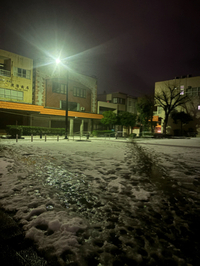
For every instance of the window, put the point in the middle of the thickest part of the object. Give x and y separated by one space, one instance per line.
72 106
11 94
119 100
193 91
59 88
159 109
114 100
79 92
182 90
122 101
23 73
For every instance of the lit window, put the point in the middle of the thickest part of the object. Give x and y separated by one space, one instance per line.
11 94
59 88
114 100
20 72
79 92
199 107
159 109
182 90
193 91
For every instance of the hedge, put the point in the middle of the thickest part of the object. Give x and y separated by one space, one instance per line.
102 132
28 130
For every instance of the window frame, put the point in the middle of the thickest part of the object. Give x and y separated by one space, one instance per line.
12 94
22 73
79 92
57 88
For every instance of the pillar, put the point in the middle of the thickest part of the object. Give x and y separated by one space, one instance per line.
71 127
90 125
82 127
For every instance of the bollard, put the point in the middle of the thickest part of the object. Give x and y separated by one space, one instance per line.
16 137
40 135
45 137
58 138
31 137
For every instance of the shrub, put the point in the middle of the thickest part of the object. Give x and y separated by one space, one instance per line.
98 133
132 135
14 130
28 130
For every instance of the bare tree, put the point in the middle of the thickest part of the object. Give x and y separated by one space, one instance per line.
168 99
191 108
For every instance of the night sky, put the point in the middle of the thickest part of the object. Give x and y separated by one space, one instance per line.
127 45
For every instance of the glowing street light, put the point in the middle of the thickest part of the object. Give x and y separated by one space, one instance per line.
57 60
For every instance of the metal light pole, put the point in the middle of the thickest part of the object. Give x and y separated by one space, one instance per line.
66 115
58 61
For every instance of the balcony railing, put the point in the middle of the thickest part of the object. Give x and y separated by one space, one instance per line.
4 73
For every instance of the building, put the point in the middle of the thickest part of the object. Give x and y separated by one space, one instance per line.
118 102
16 74
185 85
38 97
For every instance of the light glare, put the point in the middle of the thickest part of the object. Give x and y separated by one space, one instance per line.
57 61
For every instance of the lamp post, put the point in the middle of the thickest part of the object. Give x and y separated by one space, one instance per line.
66 114
58 61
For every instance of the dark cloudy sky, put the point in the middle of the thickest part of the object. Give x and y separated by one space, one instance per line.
128 45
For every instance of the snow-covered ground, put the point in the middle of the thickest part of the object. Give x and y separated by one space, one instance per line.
105 202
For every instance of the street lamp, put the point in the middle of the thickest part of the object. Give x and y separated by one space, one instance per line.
66 114
57 60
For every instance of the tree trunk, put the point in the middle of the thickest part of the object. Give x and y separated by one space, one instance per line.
165 123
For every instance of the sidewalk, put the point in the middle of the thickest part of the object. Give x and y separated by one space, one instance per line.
61 138
14 250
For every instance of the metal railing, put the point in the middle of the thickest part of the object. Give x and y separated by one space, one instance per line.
5 73
81 134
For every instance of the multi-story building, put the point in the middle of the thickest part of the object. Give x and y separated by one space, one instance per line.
38 97
118 102
15 77
185 85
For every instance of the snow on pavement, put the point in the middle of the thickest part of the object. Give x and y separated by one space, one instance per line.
105 202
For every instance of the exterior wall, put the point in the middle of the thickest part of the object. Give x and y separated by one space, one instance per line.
53 99
131 105
110 106
106 105
191 106
39 80
43 77
10 63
